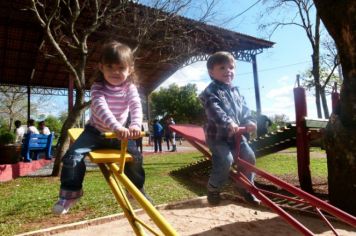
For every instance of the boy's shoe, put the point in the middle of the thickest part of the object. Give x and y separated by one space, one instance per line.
142 190
213 195
63 205
249 197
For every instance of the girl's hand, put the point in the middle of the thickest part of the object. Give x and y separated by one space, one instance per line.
135 132
122 133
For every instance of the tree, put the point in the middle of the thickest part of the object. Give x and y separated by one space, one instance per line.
328 75
339 18
180 102
303 17
68 25
54 124
13 105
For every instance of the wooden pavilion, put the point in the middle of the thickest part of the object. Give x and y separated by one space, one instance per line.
26 61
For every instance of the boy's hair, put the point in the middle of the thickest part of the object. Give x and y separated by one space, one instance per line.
31 122
114 52
219 58
17 123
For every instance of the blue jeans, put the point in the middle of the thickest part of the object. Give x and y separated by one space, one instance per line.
222 159
73 169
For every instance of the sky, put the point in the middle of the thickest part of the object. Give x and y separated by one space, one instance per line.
277 66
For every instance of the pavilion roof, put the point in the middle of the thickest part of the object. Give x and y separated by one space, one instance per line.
22 61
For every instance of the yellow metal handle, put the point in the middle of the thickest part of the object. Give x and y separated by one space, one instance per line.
113 135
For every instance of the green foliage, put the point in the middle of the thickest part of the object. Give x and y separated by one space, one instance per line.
54 124
7 137
277 122
326 79
180 102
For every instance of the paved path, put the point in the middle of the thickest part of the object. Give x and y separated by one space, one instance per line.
147 151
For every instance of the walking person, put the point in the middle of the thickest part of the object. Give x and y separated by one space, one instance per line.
157 135
172 134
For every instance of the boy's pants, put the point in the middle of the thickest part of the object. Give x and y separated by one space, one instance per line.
222 159
73 169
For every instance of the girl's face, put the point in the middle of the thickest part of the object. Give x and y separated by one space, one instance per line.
223 72
115 74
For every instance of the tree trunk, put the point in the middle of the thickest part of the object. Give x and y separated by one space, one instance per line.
339 17
324 103
63 141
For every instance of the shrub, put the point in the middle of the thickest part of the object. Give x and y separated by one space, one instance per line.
7 137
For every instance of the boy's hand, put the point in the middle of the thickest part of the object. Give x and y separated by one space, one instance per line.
135 132
233 129
122 133
250 127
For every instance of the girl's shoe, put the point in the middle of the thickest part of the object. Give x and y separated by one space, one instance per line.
63 205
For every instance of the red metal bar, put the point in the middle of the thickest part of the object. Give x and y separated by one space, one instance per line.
199 147
326 220
312 200
265 200
282 196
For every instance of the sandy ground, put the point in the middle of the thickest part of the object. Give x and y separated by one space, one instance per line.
197 217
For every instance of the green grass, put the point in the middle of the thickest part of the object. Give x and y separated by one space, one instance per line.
282 164
25 203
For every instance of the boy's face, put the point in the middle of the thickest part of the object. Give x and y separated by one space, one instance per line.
223 72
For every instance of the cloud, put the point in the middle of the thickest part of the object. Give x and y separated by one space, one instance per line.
195 73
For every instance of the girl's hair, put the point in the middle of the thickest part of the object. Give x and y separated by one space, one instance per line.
114 52
219 58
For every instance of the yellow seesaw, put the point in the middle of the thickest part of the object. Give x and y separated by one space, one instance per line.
112 164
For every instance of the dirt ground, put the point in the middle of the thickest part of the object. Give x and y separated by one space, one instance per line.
197 217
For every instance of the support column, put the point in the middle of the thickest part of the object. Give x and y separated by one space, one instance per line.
257 88
28 102
70 93
303 156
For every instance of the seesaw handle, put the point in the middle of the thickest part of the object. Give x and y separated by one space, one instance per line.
113 135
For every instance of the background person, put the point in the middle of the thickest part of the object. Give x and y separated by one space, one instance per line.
172 134
263 122
157 135
31 128
43 129
19 131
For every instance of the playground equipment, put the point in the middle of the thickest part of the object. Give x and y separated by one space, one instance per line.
300 135
112 164
195 136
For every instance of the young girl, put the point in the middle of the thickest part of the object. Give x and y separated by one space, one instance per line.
113 97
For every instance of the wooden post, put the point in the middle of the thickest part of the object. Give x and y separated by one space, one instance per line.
257 88
303 157
335 98
70 93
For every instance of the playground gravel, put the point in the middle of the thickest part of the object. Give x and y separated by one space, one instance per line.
197 217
